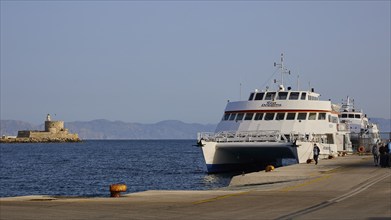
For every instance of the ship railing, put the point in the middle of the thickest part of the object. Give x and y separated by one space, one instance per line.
243 136
311 137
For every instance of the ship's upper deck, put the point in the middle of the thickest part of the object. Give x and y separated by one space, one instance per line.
348 111
283 95
280 101
283 109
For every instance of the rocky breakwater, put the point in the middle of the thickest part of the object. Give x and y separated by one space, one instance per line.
40 140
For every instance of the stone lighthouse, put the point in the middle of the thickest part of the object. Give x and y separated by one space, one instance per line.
53 126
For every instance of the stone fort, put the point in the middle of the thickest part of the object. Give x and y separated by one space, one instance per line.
54 130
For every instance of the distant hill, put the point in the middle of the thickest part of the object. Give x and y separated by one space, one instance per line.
104 129
11 127
383 124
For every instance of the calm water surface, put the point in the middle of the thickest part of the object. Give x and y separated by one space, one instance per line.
88 168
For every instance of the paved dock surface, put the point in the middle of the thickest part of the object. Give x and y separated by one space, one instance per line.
342 188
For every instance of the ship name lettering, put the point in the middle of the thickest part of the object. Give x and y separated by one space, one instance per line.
271 104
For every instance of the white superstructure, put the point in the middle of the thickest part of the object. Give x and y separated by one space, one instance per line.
362 132
276 127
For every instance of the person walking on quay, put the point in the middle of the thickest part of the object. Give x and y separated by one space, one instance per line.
383 156
375 152
316 153
388 152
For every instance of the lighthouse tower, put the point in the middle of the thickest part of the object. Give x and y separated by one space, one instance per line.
53 126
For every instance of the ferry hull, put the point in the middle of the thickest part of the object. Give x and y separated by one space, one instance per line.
223 157
243 156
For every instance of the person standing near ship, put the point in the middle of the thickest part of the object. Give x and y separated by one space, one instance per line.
388 153
375 152
316 153
383 155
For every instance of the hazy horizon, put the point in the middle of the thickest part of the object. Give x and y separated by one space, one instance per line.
97 119
150 61
164 120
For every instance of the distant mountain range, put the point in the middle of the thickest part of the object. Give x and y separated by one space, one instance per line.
384 124
104 129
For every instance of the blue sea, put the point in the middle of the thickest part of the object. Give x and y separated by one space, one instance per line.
88 168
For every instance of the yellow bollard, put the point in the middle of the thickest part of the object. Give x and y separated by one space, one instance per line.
269 168
116 189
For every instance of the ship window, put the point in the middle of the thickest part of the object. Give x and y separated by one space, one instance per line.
239 117
303 95
310 97
232 117
282 95
357 116
259 96
334 119
270 95
280 116
294 96
322 116
302 116
312 116
258 116
351 115
269 116
290 116
249 116
251 97
344 115
226 116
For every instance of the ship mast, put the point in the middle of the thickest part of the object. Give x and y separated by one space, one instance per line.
348 105
283 70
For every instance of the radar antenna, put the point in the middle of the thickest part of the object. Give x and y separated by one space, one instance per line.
282 68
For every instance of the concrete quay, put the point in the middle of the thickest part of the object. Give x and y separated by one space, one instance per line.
348 187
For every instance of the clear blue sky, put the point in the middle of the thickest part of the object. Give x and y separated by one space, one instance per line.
149 61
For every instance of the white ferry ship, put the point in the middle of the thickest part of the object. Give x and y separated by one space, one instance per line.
363 133
274 127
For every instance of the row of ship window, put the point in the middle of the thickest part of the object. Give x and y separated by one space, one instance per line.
350 115
280 96
274 116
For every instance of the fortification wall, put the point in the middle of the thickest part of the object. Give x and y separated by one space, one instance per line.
44 136
60 135
24 134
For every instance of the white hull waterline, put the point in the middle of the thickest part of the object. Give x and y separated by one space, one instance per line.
228 151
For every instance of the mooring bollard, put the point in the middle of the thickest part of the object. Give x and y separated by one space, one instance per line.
116 189
269 168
